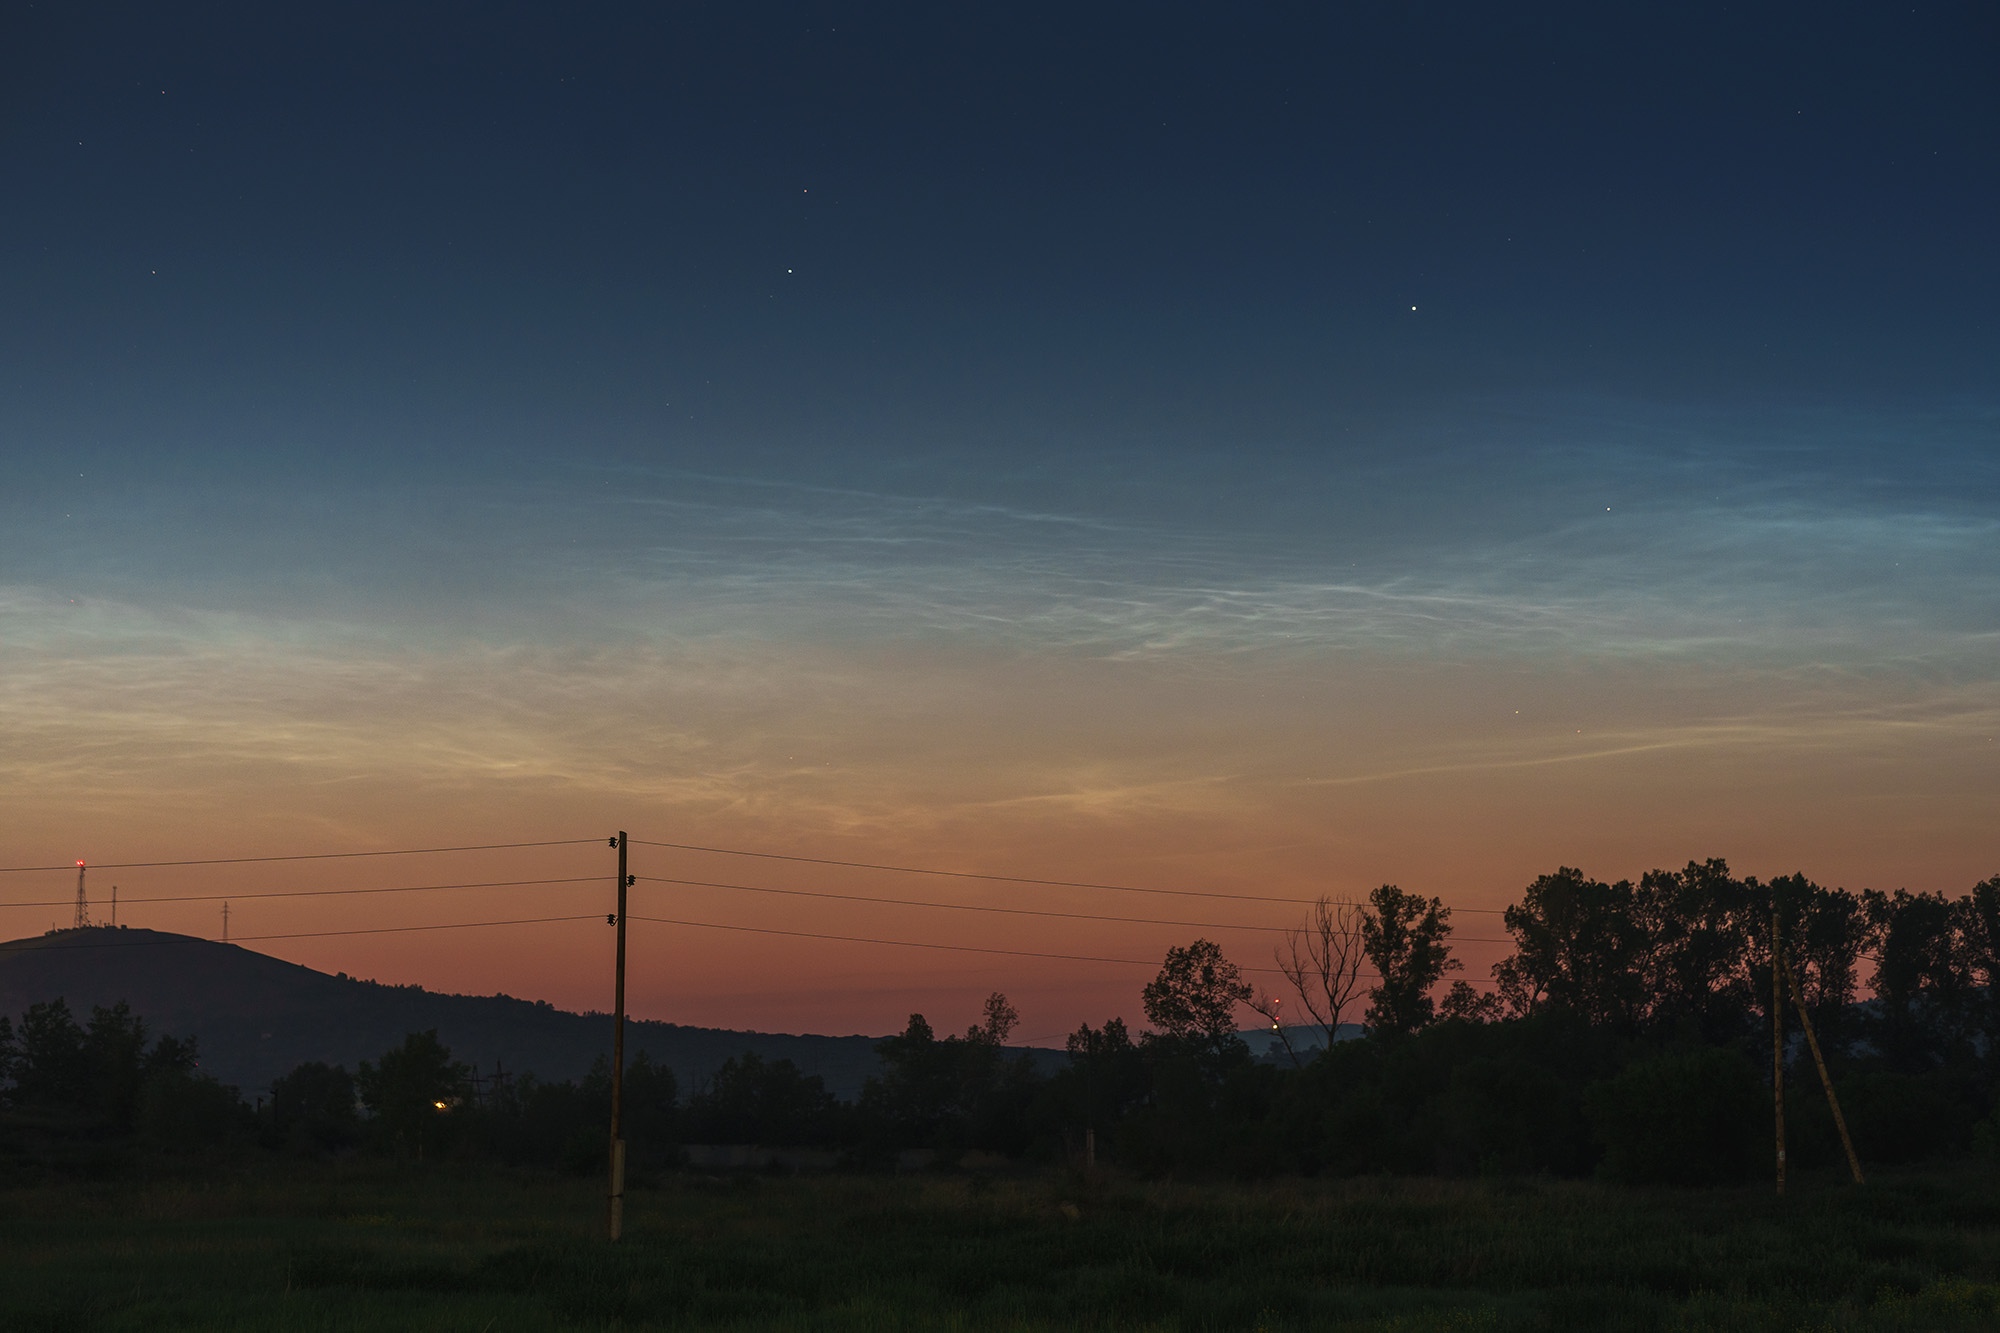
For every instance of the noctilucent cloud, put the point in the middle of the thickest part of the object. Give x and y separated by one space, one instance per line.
1267 452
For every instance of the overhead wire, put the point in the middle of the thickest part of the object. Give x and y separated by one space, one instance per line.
445 925
304 856
981 907
950 948
120 940
1009 879
746 888
319 893
904 944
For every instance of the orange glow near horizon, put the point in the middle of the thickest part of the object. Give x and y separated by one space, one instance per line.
1275 779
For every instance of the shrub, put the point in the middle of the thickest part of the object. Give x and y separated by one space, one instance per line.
312 1108
1904 1117
184 1111
1690 1117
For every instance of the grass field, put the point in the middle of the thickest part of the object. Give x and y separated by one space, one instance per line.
371 1245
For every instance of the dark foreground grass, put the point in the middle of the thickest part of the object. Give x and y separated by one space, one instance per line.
376 1246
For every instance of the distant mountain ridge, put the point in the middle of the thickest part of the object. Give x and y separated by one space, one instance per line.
255 1016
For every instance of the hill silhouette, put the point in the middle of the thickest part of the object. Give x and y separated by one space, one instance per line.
257 1017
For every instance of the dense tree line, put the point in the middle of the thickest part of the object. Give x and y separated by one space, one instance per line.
1627 1034
108 1079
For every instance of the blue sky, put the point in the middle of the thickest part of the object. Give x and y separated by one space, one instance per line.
1302 447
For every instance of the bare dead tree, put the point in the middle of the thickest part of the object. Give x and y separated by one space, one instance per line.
1322 959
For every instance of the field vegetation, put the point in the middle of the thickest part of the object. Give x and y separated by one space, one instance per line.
369 1244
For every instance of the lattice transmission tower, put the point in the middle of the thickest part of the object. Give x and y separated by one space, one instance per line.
82 901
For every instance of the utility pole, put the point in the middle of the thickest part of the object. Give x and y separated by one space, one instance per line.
616 1219
82 902
225 923
114 906
1778 1040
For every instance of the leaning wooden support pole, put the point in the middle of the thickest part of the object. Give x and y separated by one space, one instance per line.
1778 1044
1825 1079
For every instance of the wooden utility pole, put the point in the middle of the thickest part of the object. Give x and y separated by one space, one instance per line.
616 1220
1825 1079
1778 1040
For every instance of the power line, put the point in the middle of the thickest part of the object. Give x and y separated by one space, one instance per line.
447 925
951 948
905 944
1015 879
307 856
955 907
331 893
25 946
1037 1042
1007 911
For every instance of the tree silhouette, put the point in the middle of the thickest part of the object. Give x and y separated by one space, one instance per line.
1924 977
1826 931
411 1090
52 1071
751 1100
107 1078
1194 998
115 1052
313 1107
1106 1075
913 1095
1981 925
1322 961
1001 1018
1467 1005
10 1054
1577 946
1405 934
1701 929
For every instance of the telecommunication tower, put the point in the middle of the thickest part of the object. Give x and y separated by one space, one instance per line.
82 902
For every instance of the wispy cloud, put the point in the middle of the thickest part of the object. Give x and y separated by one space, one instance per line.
1764 580
682 638
1953 716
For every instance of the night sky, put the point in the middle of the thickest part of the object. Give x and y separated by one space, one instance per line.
1265 449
